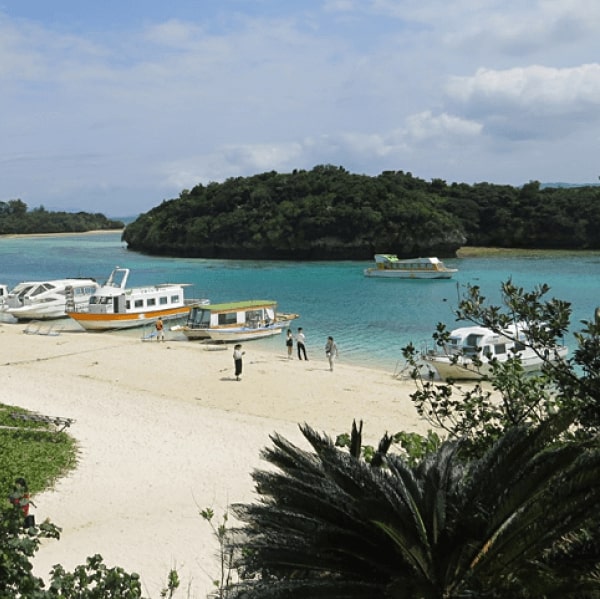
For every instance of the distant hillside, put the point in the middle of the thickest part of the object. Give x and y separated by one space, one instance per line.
16 218
568 185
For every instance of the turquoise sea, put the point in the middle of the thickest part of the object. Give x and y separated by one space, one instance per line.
370 319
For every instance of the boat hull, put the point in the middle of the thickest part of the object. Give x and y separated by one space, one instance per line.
106 322
38 312
48 300
397 274
231 335
465 370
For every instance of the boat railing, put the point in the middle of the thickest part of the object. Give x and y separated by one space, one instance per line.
196 301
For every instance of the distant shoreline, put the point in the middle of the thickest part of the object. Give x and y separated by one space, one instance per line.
463 252
478 252
69 234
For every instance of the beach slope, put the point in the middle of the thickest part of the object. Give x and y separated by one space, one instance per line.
164 430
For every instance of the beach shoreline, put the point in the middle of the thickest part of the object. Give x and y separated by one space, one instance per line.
164 430
64 234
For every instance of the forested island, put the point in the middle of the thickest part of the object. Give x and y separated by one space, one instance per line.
16 218
328 213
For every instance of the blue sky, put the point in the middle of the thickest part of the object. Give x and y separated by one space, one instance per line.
115 106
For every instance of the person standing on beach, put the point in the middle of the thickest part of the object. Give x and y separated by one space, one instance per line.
300 344
289 342
237 360
20 496
160 330
331 351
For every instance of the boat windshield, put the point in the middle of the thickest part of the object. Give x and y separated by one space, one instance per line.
100 299
21 291
42 288
471 346
198 318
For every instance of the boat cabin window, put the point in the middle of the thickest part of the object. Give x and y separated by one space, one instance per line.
174 299
473 340
253 317
228 318
151 301
500 348
203 317
100 300
163 300
471 345
139 303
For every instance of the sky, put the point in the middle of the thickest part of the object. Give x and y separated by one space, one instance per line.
116 105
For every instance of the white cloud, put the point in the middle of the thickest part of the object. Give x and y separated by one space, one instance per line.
162 104
425 126
530 102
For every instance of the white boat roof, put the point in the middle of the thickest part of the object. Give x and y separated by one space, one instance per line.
394 258
511 332
56 282
238 306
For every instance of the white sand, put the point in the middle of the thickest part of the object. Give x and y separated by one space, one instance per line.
164 431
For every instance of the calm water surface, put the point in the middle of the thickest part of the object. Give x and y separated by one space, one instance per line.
370 319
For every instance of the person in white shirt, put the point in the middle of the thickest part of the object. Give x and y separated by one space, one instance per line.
237 360
300 344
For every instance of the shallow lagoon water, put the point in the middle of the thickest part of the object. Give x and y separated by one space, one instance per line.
370 319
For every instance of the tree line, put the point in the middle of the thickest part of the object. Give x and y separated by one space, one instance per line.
329 213
16 218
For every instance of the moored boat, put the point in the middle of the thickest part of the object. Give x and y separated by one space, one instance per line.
115 306
235 321
459 358
390 266
45 300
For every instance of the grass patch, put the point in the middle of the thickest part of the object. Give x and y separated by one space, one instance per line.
34 451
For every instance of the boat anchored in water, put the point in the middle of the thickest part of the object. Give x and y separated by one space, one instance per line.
115 306
235 321
467 346
390 266
44 300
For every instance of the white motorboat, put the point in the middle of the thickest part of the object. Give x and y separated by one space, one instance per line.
115 306
455 360
390 266
235 321
43 300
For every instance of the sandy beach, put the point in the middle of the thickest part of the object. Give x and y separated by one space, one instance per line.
164 430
